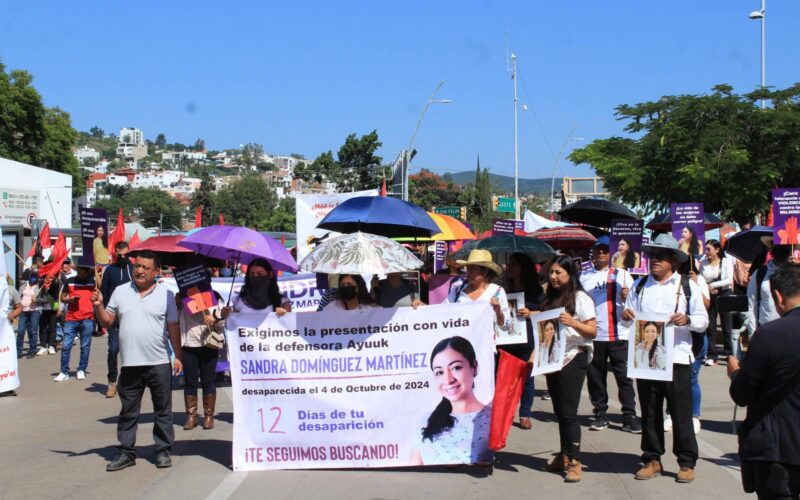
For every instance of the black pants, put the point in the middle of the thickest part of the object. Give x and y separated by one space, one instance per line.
565 389
678 394
775 480
711 331
613 354
47 329
199 365
130 387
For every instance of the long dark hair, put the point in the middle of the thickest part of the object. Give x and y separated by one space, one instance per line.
630 256
363 295
555 335
720 250
694 243
563 297
441 419
273 293
530 278
652 353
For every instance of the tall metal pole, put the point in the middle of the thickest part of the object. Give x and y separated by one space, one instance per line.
763 49
516 138
555 167
407 156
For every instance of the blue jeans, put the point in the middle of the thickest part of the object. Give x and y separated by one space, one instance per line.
84 328
28 322
113 351
60 330
697 394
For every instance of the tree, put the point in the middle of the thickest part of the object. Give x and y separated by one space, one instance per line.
32 133
126 138
537 203
427 190
97 132
283 217
116 190
323 167
161 141
205 197
358 163
249 202
480 201
719 148
153 207
199 145
252 154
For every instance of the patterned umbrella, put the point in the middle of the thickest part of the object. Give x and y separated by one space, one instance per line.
360 253
562 238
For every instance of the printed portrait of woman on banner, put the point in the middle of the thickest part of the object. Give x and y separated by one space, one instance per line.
457 430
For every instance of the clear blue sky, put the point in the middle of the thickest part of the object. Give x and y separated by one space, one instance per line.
300 76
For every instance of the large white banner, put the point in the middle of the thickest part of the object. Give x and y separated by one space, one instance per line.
310 209
9 375
369 388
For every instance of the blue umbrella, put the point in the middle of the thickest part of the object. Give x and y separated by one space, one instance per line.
381 215
747 245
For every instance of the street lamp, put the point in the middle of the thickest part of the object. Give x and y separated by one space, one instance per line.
555 167
762 15
409 153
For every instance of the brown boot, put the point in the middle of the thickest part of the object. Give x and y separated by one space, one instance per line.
650 470
560 463
574 471
191 412
685 475
209 401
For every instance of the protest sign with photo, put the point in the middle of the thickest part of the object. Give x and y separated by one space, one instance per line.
650 348
688 227
785 213
440 286
517 332
94 237
358 388
9 375
550 342
626 245
194 285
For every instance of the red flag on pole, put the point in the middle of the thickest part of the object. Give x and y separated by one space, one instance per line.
44 236
59 253
221 220
117 235
198 216
383 187
134 239
511 375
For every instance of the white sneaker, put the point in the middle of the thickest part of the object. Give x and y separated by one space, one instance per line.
51 350
696 422
61 377
41 350
81 375
668 424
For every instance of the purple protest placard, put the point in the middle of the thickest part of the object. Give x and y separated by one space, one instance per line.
688 227
626 245
439 254
194 285
94 237
785 213
507 226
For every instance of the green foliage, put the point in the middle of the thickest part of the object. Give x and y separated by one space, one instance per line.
97 132
205 197
719 148
355 168
199 145
283 217
427 190
148 205
249 201
30 132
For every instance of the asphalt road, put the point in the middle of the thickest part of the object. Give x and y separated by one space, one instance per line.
57 437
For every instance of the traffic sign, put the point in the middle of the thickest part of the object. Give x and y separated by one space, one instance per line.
457 212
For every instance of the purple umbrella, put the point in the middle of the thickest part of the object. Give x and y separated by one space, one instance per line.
239 244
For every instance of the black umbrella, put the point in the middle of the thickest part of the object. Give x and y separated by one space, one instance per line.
663 222
538 250
747 245
596 212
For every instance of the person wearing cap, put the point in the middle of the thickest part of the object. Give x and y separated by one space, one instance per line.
579 328
480 287
761 306
609 287
76 295
664 291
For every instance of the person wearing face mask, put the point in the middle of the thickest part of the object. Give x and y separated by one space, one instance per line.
115 275
260 292
352 294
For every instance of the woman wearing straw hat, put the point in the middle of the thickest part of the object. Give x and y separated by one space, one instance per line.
481 275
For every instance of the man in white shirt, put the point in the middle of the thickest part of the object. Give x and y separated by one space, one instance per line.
664 291
609 288
761 307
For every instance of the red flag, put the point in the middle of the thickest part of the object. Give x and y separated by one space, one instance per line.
198 216
221 220
33 251
283 239
383 187
117 235
44 236
511 375
134 240
59 253
769 217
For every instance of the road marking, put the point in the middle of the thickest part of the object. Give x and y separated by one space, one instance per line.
233 480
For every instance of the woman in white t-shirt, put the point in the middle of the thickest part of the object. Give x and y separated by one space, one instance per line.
480 287
579 328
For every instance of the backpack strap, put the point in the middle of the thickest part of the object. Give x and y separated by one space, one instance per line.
761 273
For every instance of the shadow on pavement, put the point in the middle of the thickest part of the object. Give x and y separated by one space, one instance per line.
720 426
514 462
728 460
216 450
99 388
